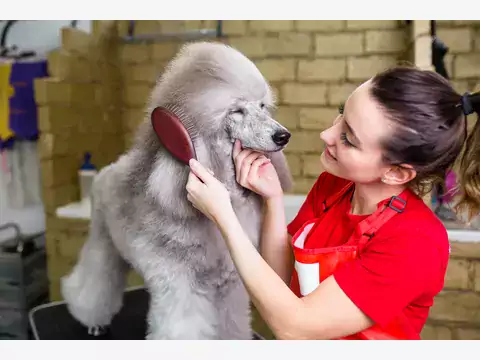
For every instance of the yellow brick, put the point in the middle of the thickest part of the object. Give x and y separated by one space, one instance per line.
461 86
134 53
287 116
430 332
304 142
107 96
82 94
461 306
276 69
420 28
423 52
172 26
304 94
372 24
339 93
295 164
76 41
146 27
51 91
468 334
457 40
122 27
136 95
339 44
477 40
317 118
165 51
191 25
476 279
59 196
467 66
62 65
312 166
458 273
252 47
61 119
302 185
320 25
288 44
58 171
385 41
134 279
132 118
104 28
141 72
466 22
363 68
322 69
271 25
111 122
50 145
234 27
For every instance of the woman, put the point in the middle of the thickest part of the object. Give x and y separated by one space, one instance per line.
369 255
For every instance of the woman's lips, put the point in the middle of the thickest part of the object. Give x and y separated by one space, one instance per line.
329 154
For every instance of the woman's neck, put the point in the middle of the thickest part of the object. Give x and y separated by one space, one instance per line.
367 196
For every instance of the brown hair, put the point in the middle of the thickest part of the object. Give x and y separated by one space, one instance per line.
431 129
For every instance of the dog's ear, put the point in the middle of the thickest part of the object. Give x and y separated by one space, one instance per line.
279 161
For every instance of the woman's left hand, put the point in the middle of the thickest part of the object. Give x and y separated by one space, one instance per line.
206 193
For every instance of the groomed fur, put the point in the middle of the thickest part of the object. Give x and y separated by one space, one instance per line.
141 216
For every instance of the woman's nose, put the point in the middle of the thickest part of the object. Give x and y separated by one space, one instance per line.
328 135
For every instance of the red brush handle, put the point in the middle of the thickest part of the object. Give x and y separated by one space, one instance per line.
172 134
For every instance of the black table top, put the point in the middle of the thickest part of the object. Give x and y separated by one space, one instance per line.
54 322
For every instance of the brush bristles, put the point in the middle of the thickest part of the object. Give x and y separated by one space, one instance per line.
187 122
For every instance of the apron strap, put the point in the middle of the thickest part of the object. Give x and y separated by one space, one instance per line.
332 200
366 229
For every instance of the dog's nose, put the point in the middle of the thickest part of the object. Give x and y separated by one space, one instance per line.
281 137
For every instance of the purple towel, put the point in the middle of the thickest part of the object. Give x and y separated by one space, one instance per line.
23 109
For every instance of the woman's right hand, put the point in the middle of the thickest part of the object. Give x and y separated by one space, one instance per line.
255 172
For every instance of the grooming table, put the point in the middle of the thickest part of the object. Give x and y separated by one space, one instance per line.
53 321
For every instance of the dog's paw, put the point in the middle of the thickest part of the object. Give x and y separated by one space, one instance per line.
97 330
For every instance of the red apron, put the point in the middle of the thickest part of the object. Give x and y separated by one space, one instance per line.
312 266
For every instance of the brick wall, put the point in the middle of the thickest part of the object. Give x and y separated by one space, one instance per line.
78 112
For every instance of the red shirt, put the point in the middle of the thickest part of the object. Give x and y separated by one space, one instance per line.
401 268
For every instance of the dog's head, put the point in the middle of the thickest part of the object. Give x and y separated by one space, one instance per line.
224 93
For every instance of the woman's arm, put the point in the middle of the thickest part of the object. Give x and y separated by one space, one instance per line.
326 313
275 240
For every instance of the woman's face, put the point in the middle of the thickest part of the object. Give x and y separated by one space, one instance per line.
353 143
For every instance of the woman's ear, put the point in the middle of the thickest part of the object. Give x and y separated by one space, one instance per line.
399 175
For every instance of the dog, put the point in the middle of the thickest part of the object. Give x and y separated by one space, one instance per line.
142 220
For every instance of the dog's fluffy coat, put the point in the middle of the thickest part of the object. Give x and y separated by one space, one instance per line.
141 217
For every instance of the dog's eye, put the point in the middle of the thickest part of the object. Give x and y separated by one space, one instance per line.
262 105
238 111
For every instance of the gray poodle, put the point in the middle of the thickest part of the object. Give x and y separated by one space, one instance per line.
141 217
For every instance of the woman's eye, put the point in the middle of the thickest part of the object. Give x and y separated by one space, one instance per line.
346 142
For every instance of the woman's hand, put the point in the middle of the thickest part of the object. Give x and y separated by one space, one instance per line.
255 172
206 193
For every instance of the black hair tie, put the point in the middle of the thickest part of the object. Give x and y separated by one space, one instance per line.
466 104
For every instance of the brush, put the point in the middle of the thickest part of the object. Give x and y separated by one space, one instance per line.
177 132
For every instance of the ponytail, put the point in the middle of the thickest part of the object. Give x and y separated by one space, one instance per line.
470 160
